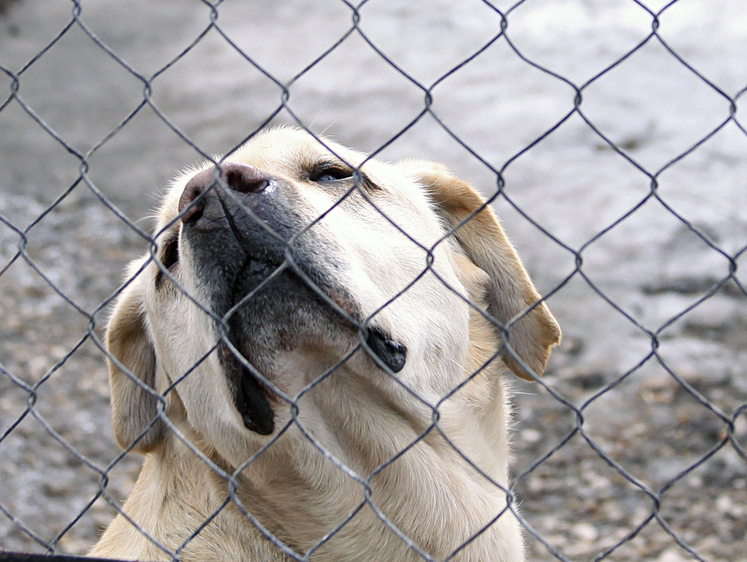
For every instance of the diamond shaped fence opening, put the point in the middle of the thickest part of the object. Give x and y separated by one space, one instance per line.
606 135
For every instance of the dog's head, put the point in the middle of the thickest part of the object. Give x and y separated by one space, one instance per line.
296 259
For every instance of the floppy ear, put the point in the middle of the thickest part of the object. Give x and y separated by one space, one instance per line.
511 297
133 408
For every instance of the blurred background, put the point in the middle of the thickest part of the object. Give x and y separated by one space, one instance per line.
622 161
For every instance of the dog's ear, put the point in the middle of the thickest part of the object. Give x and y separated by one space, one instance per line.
511 297
133 408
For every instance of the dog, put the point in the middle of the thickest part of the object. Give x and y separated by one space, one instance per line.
313 359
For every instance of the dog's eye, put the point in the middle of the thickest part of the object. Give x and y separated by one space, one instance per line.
168 258
330 173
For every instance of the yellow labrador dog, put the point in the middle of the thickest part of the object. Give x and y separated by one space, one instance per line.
314 365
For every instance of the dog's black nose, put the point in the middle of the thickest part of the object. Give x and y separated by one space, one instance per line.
241 178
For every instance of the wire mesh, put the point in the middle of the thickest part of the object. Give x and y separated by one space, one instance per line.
606 135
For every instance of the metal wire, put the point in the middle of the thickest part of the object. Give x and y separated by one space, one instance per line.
544 544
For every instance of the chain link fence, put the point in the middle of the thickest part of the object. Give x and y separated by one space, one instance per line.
606 133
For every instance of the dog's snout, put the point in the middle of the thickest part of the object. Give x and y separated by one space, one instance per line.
241 178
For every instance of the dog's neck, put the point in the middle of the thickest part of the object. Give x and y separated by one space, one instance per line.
429 492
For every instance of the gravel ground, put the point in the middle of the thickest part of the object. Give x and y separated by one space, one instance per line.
659 419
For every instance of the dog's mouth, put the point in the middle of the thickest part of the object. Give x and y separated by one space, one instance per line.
271 307
252 397
264 296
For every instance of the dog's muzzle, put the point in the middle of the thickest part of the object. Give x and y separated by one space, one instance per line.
218 226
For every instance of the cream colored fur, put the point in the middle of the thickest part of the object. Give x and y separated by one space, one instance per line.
359 415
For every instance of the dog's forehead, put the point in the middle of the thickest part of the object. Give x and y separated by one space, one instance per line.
286 151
